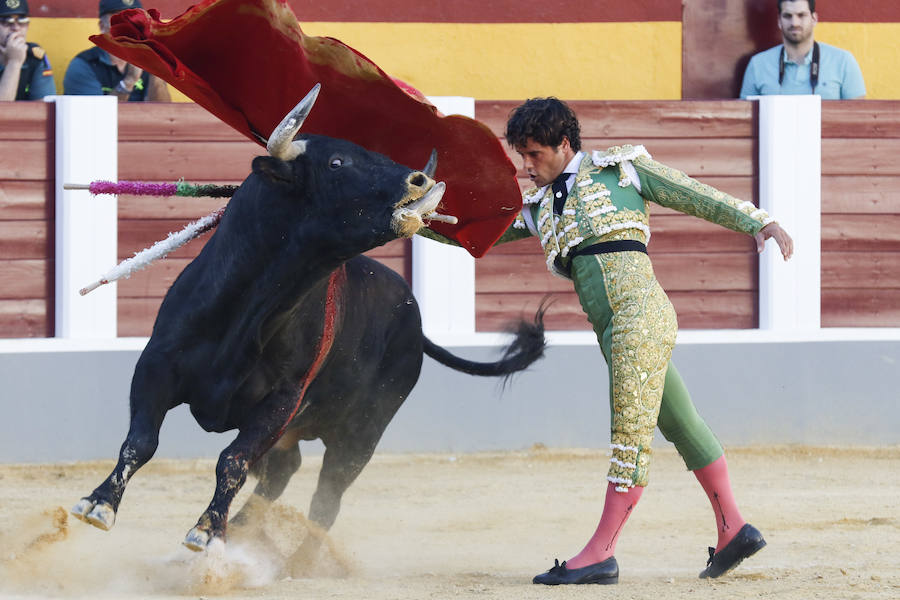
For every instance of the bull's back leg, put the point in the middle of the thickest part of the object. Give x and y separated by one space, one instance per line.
389 356
342 463
382 358
349 448
273 471
150 390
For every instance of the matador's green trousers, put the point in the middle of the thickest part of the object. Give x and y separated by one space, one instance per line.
636 325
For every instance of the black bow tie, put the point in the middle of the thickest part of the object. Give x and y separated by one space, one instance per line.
560 192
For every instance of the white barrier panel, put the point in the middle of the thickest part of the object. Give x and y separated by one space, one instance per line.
444 276
86 226
790 166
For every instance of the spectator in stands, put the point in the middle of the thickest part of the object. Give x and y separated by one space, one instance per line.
95 71
801 65
25 72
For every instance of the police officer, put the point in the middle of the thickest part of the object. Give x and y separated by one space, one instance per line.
95 72
25 72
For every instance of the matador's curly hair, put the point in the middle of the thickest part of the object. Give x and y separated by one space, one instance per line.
546 121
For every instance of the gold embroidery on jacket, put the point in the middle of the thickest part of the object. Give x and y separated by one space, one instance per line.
674 189
592 210
589 210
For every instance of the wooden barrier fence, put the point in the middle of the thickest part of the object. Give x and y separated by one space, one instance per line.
860 214
26 219
710 273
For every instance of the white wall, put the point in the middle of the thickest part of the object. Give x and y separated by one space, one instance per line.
73 404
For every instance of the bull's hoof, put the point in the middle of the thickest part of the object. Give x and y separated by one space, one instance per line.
81 509
197 539
99 514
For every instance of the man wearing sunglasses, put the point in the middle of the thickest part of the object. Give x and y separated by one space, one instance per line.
25 72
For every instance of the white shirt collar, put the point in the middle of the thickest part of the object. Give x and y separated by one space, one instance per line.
572 167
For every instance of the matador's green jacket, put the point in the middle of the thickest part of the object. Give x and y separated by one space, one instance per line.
609 202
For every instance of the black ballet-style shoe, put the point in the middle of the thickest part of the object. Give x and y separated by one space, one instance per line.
745 544
606 572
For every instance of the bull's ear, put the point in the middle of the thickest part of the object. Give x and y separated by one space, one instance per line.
273 169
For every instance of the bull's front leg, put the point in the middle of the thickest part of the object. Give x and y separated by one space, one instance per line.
99 509
231 473
252 441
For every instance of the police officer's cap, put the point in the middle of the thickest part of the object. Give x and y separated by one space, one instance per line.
114 6
11 8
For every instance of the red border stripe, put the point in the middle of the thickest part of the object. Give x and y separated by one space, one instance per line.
417 11
491 11
869 11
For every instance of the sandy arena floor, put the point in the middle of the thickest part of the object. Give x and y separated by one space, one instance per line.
466 526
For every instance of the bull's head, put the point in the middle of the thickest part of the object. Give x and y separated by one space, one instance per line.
357 187
349 177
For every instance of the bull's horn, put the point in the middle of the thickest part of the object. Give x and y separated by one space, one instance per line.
281 143
431 167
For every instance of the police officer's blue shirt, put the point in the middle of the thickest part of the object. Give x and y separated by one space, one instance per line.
839 75
92 73
36 78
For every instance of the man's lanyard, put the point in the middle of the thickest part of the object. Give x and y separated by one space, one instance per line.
813 67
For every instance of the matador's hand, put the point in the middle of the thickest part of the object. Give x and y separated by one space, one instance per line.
774 230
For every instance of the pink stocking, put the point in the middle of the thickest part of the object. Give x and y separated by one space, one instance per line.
616 510
714 479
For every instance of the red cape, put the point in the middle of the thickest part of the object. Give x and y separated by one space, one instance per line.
249 63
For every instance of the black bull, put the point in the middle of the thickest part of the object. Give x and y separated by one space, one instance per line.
279 329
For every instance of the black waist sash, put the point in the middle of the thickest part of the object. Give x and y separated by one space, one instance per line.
599 248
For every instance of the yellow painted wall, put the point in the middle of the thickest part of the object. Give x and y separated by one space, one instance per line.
62 39
488 62
599 61
876 47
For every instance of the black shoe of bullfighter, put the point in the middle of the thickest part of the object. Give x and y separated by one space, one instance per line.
745 544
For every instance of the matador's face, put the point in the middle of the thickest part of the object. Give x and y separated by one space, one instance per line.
544 163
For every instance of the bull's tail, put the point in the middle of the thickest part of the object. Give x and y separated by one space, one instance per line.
527 347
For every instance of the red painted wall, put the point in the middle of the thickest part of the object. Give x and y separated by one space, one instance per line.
417 11
503 11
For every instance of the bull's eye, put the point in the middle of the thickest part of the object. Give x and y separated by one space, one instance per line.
336 162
